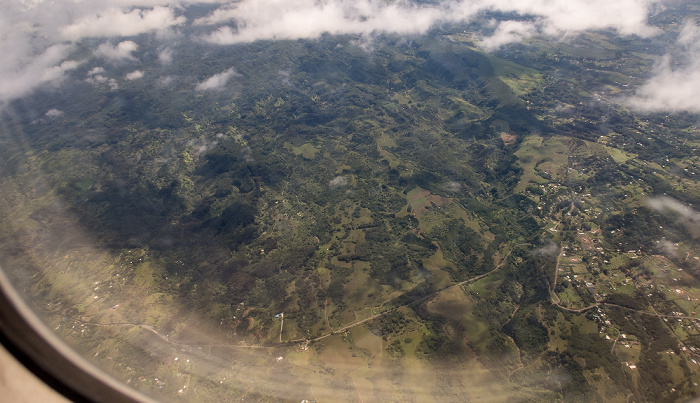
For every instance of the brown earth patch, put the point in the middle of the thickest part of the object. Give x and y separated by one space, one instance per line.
508 138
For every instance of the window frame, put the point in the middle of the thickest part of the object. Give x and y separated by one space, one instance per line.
61 368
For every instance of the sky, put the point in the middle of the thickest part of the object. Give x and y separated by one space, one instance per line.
38 37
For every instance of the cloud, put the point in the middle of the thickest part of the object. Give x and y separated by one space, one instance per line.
338 181
453 186
676 82
216 82
561 16
53 113
165 56
38 36
96 70
508 32
96 78
134 75
548 249
225 14
165 81
667 248
686 215
121 52
116 22
18 77
303 19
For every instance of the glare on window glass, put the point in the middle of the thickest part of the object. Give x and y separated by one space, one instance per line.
429 200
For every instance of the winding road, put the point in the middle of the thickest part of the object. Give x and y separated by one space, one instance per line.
423 298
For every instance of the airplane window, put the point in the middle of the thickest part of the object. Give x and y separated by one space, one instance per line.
369 200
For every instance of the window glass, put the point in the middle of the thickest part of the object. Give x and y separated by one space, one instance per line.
359 200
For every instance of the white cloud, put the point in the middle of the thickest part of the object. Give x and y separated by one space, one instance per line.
37 36
18 77
134 75
686 215
116 22
667 248
96 70
98 80
548 249
165 56
224 14
676 83
121 52
53 113
453 186
508 32
165 82
557 16
294 19
689 35
338 181
216 82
